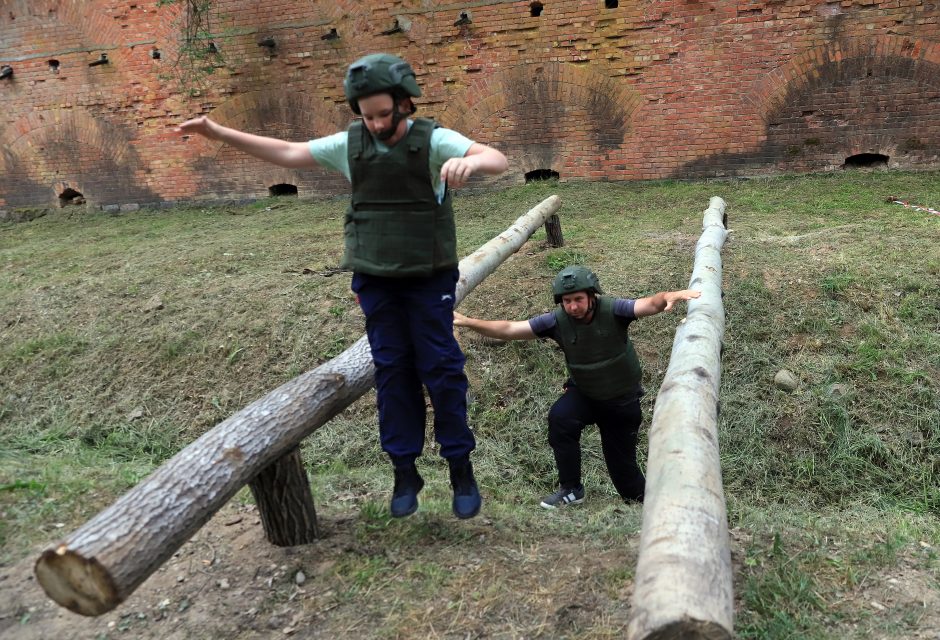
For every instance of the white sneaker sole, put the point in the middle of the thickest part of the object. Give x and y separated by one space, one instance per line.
545 505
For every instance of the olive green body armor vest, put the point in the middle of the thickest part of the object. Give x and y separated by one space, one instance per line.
600 356
394 226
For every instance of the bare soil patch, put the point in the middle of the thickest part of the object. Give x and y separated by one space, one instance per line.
458 580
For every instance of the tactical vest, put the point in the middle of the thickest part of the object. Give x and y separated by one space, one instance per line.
395 226
600 356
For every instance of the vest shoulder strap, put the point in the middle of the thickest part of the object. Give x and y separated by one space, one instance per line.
420 134
354 141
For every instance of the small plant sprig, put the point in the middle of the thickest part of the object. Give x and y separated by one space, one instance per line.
197 55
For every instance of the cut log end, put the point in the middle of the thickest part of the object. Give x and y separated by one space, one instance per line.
77 583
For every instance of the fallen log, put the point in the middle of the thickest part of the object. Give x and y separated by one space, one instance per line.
99 565
683 584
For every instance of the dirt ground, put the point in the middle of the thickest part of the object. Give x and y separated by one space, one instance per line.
465 580
434 577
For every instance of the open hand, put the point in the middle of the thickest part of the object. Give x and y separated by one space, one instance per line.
202 126
675 296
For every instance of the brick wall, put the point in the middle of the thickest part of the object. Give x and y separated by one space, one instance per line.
592 90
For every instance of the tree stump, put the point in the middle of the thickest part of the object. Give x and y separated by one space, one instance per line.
553 231
282 493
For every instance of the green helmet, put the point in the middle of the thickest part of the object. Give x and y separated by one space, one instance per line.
572 279
376 73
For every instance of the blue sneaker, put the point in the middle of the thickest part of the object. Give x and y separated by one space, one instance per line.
405 495
467 500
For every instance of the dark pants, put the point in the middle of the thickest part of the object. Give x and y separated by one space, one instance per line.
410 324
617 420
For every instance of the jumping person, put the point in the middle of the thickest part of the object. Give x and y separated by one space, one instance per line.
400 242
603 387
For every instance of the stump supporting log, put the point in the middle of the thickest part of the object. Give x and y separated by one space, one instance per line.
99 565
553 232
683 578
282 493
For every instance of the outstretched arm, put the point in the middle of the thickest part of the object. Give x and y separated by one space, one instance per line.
662 301
478 159
292 155
500 329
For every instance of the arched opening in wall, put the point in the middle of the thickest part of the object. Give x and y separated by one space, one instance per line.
70 197
866 161
535 9
282 190
541 174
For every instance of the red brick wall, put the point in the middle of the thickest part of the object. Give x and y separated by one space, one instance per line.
649 89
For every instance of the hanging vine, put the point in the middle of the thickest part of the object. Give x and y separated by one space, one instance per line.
198 56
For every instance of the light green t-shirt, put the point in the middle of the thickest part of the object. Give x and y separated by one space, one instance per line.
331 152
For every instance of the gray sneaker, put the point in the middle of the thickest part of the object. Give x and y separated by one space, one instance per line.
564 496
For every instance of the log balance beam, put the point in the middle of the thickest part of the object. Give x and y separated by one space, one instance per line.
100 564
682 589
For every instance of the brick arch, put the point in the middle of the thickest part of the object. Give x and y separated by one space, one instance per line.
92 19
70 148
28 137
293 116
95 18
280 114
531 110
916 60
167 28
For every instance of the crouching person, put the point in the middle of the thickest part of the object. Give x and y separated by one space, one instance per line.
604 383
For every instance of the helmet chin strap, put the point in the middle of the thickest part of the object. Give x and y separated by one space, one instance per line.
397 117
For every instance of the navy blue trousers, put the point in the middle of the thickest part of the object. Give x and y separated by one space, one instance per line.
617 420
410 325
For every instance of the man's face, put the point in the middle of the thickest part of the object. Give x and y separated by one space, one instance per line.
577 305
377 114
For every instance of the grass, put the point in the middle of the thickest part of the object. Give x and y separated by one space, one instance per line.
124 338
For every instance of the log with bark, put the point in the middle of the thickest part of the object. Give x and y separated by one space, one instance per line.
99 565
683 585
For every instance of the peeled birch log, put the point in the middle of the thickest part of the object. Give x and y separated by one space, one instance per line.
683 577
99 565
482 262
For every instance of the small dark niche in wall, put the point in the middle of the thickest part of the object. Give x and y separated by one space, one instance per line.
535 9
611 4
282 190
541 174
866 161
70 197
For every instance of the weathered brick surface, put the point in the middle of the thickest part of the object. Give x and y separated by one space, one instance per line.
648 89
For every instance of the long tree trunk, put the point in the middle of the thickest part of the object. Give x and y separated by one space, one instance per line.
683 578
98 566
